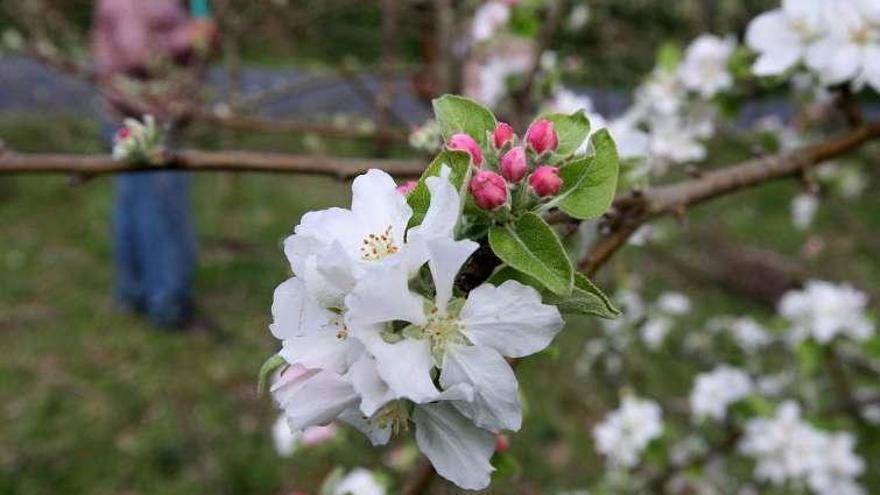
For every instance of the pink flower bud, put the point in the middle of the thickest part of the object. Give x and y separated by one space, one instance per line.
545 181
122 134
502 444
407 187
464 142
489 190
514 165
542 137
502 135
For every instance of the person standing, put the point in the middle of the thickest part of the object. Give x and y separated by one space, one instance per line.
149 58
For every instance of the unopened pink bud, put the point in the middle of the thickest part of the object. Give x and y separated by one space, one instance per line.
407 187
545 181
542 137
464 142
502 444
122 133
489 190
514 165
502 135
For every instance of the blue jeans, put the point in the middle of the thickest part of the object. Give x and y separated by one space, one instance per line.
154 244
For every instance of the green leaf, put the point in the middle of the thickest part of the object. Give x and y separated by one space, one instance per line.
669 56
457 114
585 298
532 247
420 198
273 363
589 184
572 130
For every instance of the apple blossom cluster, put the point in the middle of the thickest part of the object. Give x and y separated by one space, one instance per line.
824 311
138 142
838 41
714 391
788 450
625 433
375 329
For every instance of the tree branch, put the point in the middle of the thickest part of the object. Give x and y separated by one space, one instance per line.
201 161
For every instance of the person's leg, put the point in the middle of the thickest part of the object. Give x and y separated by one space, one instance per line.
128 292
168 248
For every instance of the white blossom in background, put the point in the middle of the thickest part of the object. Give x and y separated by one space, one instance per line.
850 49
774 385
625 433
803 210
427 137
661 94
137 141
782 36
674 303
287 441
494 73
823 311
488 19
704 68
578 17
655 330
714 391
359 481
789 450
749 334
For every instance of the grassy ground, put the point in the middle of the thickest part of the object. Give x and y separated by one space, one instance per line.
93 401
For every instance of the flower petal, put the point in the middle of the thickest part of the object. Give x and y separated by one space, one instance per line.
377 436
376 203
444 210
294 313
381 295
315 400
405 366
509 318
496 403
365 379
458 450
446 257
323 351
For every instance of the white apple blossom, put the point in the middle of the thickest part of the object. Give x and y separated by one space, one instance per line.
625 433
782 36
704 68
578 17
359 481
823 311
850 48
714 391
654 331
330 249
789 450
137 141
493 75
488 19
674 303
749 334
803 210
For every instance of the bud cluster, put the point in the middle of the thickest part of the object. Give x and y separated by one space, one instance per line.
514 173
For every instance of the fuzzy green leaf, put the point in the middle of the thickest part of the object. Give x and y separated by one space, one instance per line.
589 184
532 247
457 114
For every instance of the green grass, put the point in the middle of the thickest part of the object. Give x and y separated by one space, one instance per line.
94 401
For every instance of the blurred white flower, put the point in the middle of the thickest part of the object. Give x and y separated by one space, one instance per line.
850 50
674 303
803 210
781 36
138 141
578 17
824 311
789 450
625 433
749 334
714 391
359 481
284 439
704 68
654 331
488 19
